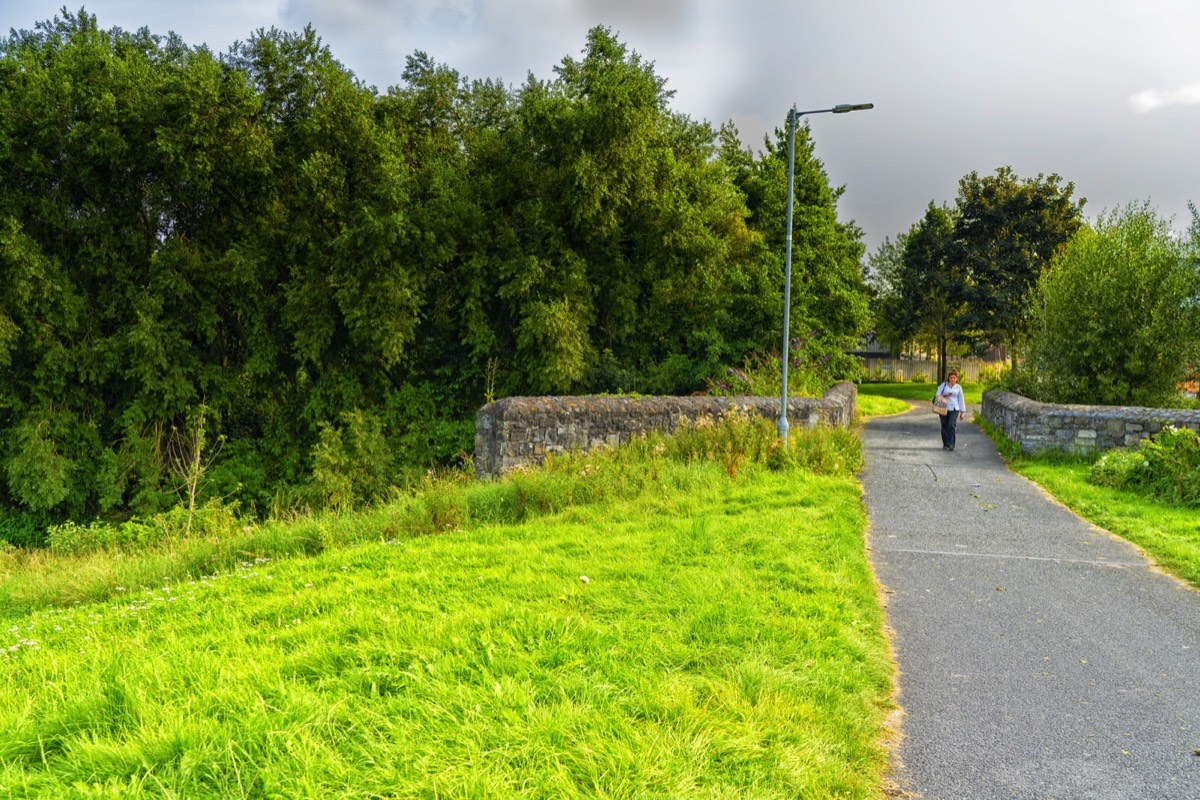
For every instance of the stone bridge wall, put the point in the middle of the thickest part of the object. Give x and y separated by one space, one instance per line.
1075 428
518 431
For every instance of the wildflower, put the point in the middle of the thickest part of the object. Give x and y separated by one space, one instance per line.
584 580
1145 463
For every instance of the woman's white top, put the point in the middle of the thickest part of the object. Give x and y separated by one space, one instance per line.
956 401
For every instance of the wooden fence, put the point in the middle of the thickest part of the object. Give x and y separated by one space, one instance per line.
903 369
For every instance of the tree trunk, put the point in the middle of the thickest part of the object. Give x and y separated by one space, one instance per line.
943 340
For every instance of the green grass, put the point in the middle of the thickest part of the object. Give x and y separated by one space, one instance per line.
918 392
727 643
870 405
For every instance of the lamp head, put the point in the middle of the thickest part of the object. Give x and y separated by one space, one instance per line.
846 108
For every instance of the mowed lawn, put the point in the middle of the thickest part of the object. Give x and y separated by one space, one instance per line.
919 393
711 637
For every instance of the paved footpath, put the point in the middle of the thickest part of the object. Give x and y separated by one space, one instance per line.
1040 657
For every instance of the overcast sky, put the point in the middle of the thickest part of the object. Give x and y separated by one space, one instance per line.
1106 93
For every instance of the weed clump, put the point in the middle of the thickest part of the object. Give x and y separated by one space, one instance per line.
1165 467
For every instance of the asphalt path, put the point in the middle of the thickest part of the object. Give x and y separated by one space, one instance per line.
1040 657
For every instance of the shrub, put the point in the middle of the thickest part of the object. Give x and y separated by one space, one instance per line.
209 520
21 529
813 367
879 375
1166 467
351 462
242 475
1118 317
993 375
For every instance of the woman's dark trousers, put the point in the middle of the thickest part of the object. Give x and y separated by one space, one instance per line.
948 423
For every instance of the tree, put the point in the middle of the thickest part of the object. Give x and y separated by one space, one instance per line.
930 285
262 233
829 294
883 275
612 245
1119 313
1006 231
125 161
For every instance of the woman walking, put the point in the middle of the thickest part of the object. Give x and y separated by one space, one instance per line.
952 393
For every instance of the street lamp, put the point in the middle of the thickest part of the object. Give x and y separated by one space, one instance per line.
793 115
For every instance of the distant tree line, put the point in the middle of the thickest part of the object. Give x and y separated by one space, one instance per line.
329 280
1105 313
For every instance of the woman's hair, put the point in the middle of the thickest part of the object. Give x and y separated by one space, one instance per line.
953 372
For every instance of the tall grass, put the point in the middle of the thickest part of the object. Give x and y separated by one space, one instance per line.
672 619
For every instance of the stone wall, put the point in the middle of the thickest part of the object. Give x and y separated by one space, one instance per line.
517 431
1075 428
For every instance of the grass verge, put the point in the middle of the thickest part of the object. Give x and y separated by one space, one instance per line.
725 643
870 405
918 392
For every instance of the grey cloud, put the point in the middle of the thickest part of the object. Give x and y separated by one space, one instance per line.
1037 84
1151 99
660 16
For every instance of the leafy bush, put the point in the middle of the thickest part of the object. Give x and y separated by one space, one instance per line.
1118 317
21 529
993 375
351 462
1166 467
813 367
1027 382
880 375
242 476
210 520
919 377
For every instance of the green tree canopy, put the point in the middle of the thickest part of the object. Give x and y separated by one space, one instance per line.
930 284
339 275
829 294
1006 231
1119 313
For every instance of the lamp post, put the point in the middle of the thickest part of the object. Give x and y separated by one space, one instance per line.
793 115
